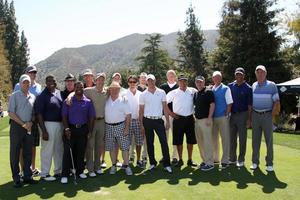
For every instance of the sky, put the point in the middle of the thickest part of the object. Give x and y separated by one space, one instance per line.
50 25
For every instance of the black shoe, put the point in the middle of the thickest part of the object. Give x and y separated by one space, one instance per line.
191 163
57 175
30 181
179 163
207 167
18 184
224 165
174 161
201 165
161 161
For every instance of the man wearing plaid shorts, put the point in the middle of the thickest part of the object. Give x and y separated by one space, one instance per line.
117 123
133 95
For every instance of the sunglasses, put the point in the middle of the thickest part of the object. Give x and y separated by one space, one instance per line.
131 81
34 72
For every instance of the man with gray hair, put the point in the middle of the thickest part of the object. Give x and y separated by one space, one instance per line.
20 111
265 102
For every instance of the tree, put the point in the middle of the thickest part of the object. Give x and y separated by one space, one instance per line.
248 37
154 59
23 53
192 57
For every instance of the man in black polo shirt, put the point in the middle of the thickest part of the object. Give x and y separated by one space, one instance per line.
48 109
204 108
170 85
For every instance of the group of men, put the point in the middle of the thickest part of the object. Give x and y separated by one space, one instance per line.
79 124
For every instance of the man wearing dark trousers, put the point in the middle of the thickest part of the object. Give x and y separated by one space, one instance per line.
20 111
78 121
152 102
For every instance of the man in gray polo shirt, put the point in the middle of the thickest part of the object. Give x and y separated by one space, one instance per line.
20 110
265 102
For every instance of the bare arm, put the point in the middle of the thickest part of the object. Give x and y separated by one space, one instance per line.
26 125
165 107
127 124
45 135
210 114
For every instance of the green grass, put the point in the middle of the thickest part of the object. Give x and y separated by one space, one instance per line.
184 183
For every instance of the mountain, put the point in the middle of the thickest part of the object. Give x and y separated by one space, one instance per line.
109 57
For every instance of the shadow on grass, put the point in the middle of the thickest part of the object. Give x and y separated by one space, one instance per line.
241 176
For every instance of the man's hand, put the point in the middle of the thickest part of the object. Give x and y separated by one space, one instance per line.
208 121
45 136
173 115
27 126
167 125
68 134
89 134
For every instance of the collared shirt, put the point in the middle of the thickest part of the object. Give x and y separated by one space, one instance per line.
202 101
49 105
141 88
80 112
98 99
228 96
264 95
167 87
242 96
34 89
116 111
22 105
153 102
182 101
65 94
133 101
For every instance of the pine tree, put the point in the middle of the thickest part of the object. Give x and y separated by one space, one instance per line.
154 59
23 53
192 57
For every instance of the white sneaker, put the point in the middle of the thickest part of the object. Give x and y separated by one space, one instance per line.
270 168
240 164
64 180
253 166
119 164
128 171
113 170
83 175
168 169
99 171
92 174
49 178
103 164
152 167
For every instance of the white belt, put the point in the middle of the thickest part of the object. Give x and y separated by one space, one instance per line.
153 117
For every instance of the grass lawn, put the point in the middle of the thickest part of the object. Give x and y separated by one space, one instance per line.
184 183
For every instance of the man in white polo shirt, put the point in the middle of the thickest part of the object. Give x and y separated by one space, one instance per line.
117 123
152 102
183 123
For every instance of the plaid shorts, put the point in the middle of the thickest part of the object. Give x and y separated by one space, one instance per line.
114 134
135 131
35 132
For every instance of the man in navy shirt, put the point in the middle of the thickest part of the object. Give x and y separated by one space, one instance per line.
240 116
78 122
48 109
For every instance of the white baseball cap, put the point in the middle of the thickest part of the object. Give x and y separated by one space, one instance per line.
216 73
150 76
261 67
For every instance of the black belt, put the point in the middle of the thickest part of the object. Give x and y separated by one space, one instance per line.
263 112
99 118
184 117
77 125
115 124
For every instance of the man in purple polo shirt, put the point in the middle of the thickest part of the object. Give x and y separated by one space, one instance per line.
78 121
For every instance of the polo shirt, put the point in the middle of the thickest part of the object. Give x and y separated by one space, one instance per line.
64 94
167 87
34 89
141 88
80 112
182 101
153 102
241 95
133 102
49 105
116 111
22 105
98 99
264 95
202 100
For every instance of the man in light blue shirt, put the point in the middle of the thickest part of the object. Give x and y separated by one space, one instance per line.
265 101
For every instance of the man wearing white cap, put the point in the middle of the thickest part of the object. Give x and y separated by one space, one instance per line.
265 102
223 103
152 102
20 111
88 78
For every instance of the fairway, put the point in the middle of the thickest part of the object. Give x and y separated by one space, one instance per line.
184 183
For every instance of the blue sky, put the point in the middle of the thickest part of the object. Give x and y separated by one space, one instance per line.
50 25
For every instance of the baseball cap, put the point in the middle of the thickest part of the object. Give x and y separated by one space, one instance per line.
182 77
87 72
115 74
70 77
239 70
200 78
150 76
102 74
114 84
23 78
216 73
31 68
261 67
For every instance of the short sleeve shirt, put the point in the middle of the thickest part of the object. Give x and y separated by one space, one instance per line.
116 111
153 102
202 101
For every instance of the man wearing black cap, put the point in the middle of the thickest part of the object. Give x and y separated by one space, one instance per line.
240 116
183 123
69 86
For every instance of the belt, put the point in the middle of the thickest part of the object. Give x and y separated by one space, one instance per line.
115 124
152 117
263 112
77 125
99 118
184 117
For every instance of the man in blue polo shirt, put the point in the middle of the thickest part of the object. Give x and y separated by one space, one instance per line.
240 116
265 102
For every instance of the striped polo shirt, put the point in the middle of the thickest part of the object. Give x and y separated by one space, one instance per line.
264 95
